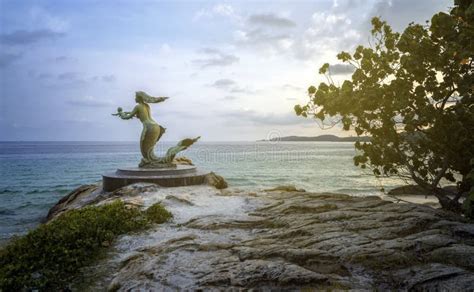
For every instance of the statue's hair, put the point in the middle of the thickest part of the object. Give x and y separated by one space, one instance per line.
147 98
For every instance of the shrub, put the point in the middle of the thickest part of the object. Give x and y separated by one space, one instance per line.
157 214
49 256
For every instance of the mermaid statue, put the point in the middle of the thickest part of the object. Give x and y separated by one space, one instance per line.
152 132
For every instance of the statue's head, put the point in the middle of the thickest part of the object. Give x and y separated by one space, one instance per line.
139 96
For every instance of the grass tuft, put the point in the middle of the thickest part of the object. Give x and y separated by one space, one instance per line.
157 214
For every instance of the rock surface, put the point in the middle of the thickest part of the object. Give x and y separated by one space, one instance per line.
282 239
216 181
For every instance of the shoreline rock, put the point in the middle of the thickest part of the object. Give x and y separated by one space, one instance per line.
281 239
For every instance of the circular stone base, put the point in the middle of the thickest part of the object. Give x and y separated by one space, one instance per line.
181 175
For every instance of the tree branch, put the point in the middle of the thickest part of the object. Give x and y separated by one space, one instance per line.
443 104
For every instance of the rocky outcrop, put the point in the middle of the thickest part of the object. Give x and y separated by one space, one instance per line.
93 194
78 198
417 190
286 239
285 188
407 190
216 181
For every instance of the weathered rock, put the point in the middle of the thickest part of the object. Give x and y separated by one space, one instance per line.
216 181
287 240
93 194
433 277
407 190
456 254
77 198
287 188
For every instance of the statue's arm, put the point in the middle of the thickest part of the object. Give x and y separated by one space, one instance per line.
127 115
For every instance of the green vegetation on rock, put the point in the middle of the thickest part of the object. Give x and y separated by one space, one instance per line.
48 257
156 213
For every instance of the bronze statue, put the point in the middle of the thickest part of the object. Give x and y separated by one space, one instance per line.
152 132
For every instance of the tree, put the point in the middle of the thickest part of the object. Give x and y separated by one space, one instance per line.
412 93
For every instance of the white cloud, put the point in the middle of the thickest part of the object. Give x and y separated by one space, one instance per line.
215 58
267 33
223 9
220 9
165 48
253 117
90 101
329 32
223 83
270 19
39 17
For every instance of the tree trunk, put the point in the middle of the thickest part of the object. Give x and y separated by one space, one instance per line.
446 203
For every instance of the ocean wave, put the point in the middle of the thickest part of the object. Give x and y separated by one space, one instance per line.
7 212
37 191
368 191
8 191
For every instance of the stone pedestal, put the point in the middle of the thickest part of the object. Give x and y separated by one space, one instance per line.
181 175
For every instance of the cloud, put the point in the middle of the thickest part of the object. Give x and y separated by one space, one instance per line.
341 69
89 101
401 12
69 76
105 78
43 76
224 10
270 19
39 26
25 37
238 89
261 36
165 48
264 40
229 98
231 86
269 119
291 87
61 59
39 17
329 31
266 32
109 78
224 83
215 58
8 58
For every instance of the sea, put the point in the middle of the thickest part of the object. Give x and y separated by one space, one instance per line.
35 175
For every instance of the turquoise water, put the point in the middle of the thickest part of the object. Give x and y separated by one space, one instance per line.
35 175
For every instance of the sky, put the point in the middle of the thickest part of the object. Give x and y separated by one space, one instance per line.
233 70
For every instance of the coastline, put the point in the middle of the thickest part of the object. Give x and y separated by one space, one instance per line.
35 176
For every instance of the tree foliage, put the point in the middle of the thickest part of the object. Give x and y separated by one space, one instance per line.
412 92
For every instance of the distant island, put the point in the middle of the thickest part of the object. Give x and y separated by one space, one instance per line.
326 138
